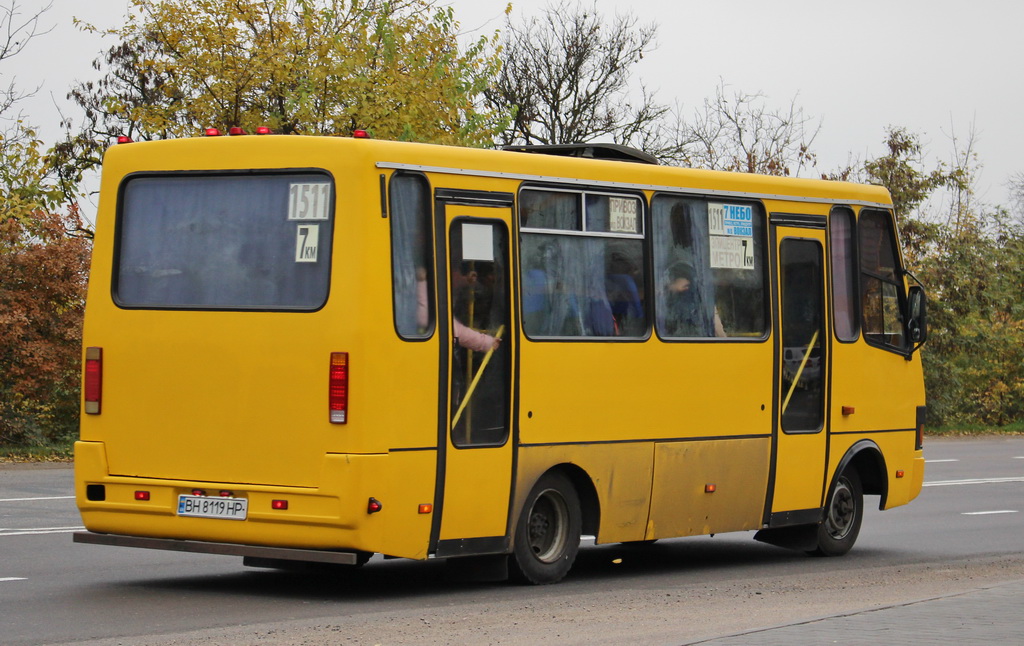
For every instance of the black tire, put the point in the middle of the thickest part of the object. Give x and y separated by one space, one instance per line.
547 536
843 514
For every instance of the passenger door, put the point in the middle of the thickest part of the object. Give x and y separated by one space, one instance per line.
801 371
475 469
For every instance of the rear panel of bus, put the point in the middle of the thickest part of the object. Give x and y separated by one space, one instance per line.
239 301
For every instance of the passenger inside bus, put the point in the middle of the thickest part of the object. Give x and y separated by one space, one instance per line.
685 313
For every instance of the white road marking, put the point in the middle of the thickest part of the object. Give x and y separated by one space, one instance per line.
946 483
989 513
937 461
30 531
12 578
44 498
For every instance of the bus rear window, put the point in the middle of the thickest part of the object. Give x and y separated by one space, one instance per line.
224 242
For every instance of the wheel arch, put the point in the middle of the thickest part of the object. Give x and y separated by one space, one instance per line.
867 459
590 506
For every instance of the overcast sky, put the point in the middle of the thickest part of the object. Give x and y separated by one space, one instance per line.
937 67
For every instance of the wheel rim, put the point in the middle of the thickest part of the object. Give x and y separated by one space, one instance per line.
548 525
842 512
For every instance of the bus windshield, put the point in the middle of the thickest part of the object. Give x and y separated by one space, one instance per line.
253 242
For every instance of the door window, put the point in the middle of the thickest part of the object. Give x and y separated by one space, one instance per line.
480 327
803 335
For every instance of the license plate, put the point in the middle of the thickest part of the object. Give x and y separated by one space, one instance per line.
209 507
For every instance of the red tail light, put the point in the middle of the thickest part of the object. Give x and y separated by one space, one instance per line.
338 388
93 386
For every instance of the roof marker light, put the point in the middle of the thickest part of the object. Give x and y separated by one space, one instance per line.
235 130
124 139
360 134
263 130
212 132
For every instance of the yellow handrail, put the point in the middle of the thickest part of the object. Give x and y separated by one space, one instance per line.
476 379
796 379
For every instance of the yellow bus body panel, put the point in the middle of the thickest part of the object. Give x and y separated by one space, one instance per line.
238 400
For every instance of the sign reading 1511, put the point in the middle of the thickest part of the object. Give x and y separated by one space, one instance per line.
309 201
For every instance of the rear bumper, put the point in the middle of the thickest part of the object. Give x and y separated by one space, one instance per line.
229 549
331 517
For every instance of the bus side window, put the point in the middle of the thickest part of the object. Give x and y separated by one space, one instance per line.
709 268
843 252
582 276
411 257
880 282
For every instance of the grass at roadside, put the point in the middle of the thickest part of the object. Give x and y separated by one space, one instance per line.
54 453
1017 428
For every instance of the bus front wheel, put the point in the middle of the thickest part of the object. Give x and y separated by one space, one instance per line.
839 529
547 536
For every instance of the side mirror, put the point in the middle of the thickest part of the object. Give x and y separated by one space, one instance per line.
917 317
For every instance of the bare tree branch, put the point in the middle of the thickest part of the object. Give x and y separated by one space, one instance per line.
566 79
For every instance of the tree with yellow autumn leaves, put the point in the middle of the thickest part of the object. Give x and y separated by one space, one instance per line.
322 67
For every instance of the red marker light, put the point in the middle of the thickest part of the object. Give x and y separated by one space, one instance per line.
142 495
337 388
212 132
93 386
263 130
373 506
360 134
279 504
124 139
235 130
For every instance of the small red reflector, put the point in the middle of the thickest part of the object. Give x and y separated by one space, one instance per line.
337 394
124 139
142 495
426 509
263 130
212 132
93 386
279 504
198 492
849 410
710 488
373 506
900 473
235 130
360 134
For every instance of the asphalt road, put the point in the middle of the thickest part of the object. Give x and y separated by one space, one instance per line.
965 532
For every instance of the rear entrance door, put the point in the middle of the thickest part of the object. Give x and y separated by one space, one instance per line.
477 449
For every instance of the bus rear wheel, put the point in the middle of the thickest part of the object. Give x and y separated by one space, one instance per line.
547 536
843 514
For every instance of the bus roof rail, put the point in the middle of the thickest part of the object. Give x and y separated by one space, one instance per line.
613 152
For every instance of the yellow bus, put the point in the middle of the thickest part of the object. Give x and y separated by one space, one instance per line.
315 349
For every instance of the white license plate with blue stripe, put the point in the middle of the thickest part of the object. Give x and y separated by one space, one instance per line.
210 507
